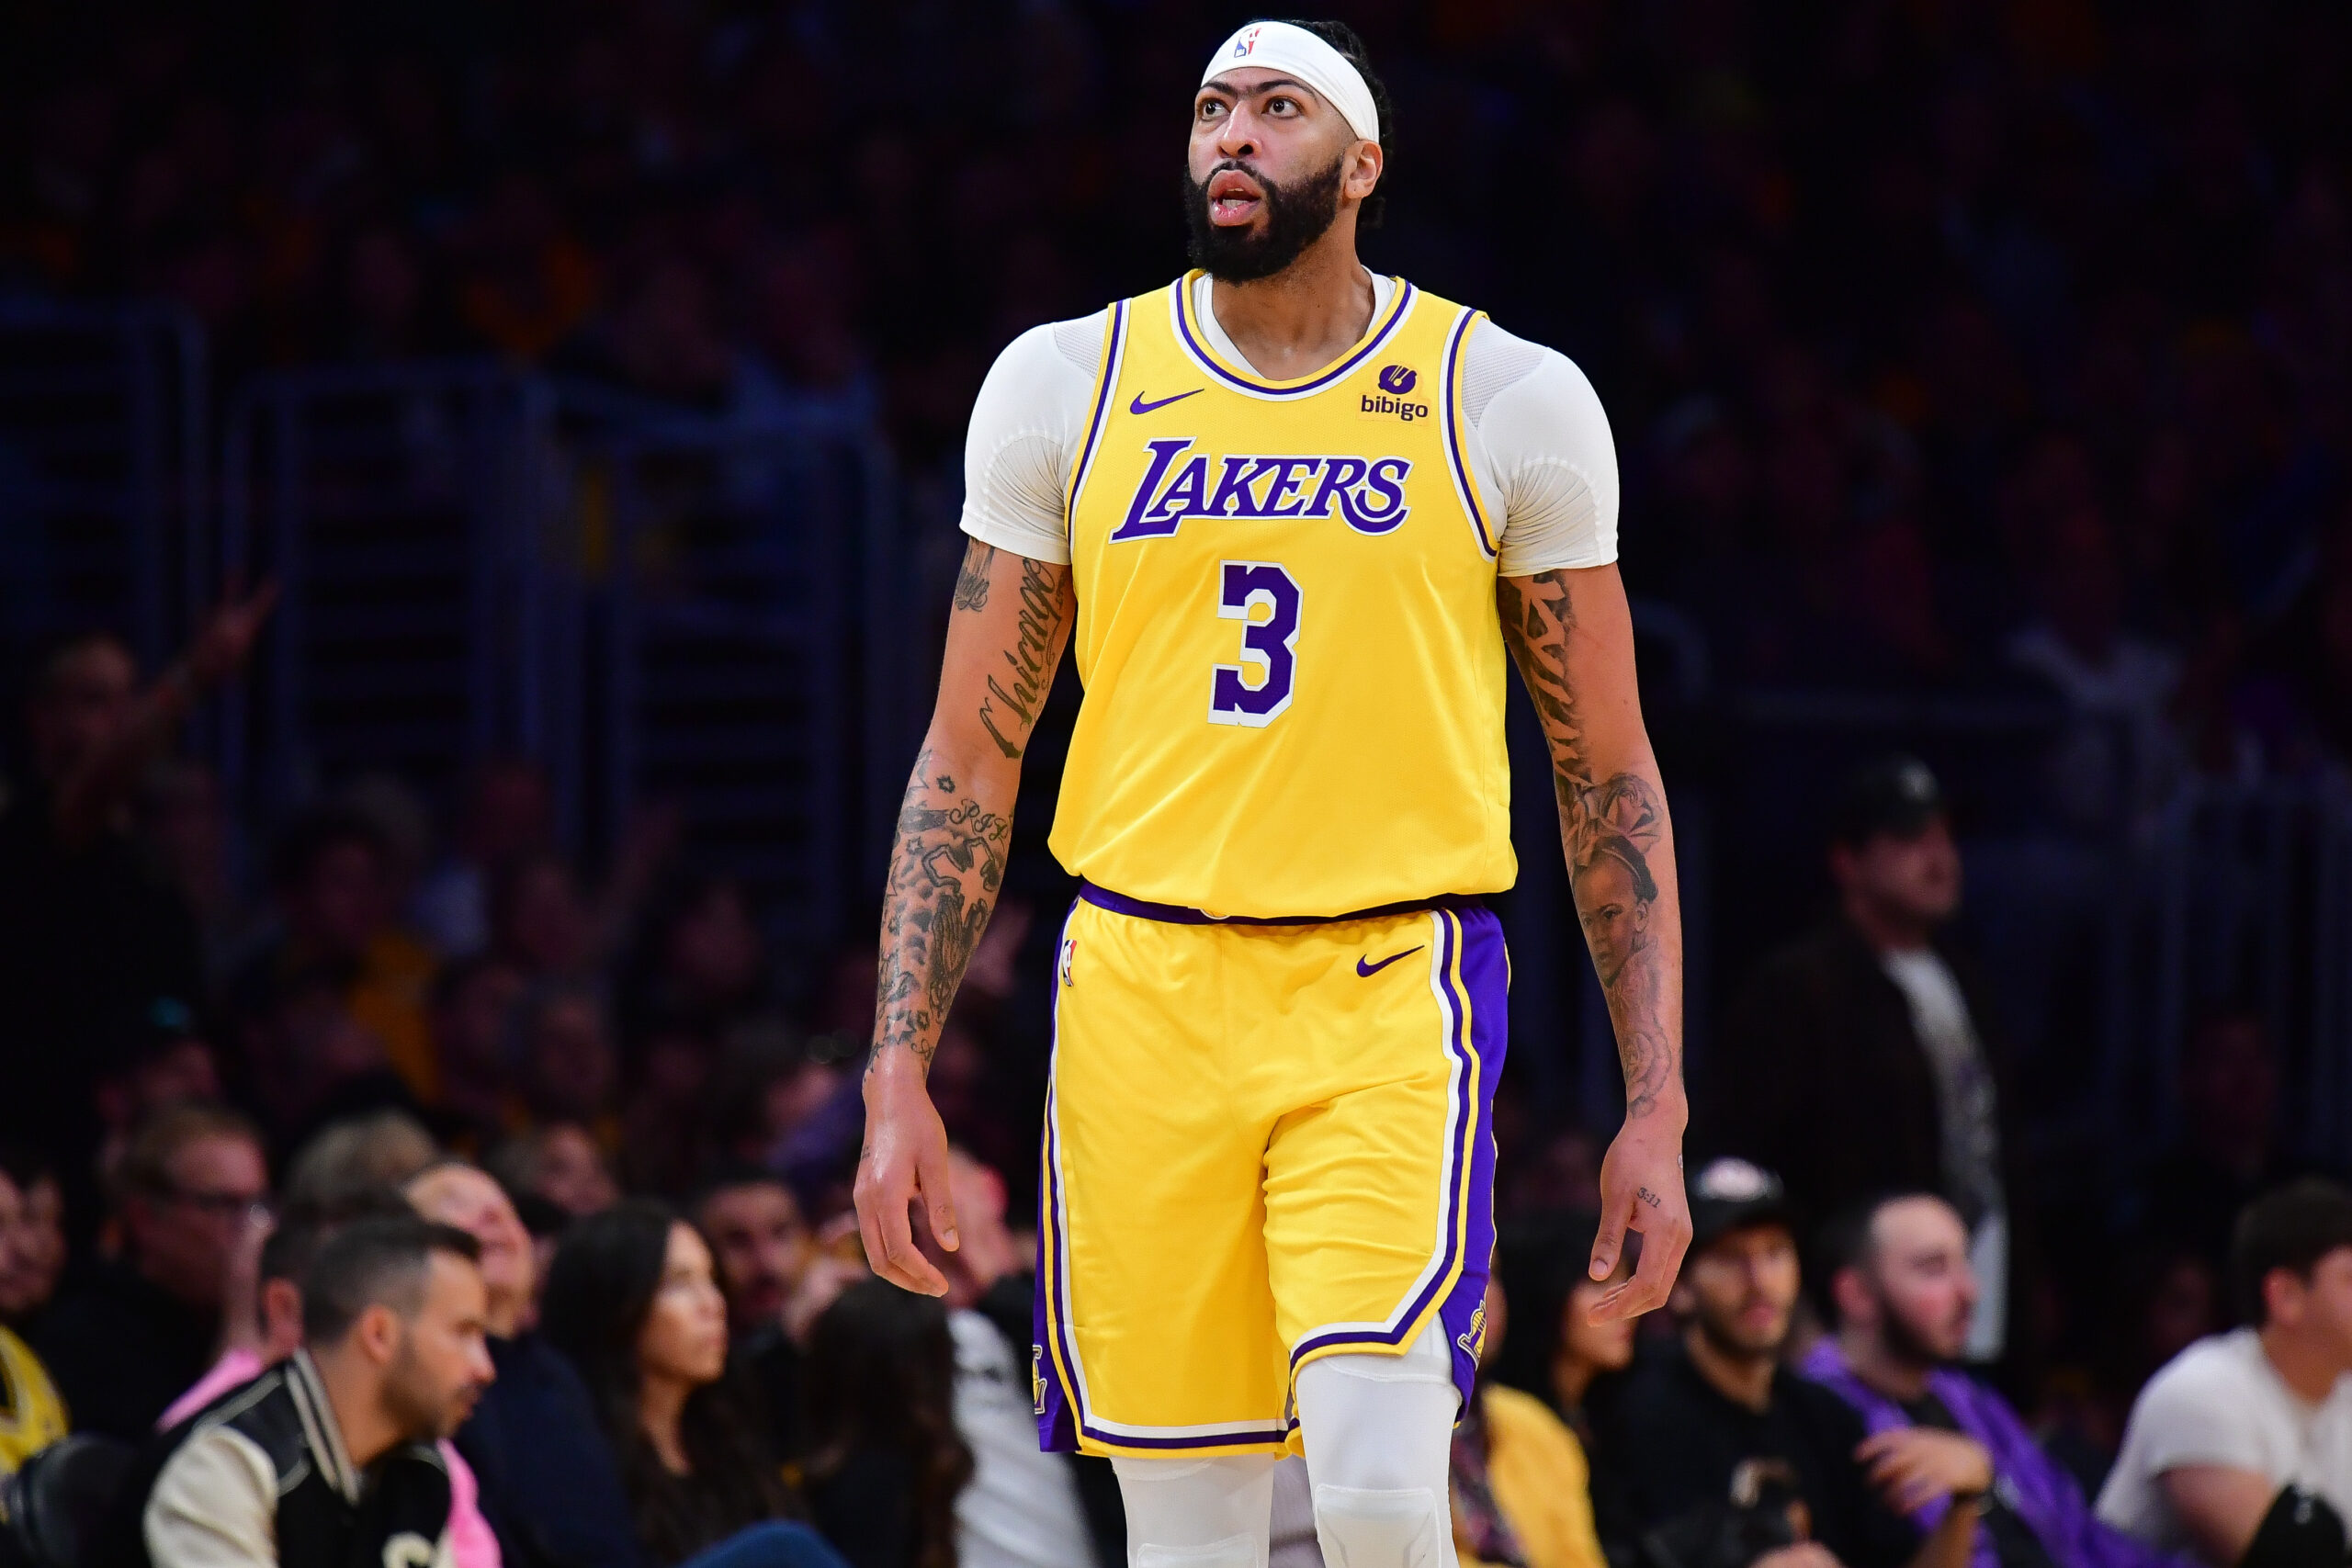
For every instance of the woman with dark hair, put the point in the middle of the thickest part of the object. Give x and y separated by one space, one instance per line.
885 1460
1522 1492
631 1298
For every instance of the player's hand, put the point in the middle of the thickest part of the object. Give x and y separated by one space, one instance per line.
1914 1465
905 1157
1641 1189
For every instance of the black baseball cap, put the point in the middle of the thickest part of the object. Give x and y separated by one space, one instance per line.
1896 794
1730 1195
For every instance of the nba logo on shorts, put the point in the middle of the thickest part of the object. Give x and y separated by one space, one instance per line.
1037 1378
1069 956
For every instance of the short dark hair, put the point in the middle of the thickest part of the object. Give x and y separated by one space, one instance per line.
733 1174
374 1262
1844 1242
2291 1227
1344 39
295 1240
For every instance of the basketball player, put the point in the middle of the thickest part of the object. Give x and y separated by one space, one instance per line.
1296 515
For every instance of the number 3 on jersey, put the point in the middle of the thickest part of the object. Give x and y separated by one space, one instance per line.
1264 599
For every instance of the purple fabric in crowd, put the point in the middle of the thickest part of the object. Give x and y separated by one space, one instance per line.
2031 1482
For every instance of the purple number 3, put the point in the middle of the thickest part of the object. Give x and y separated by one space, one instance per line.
1266 645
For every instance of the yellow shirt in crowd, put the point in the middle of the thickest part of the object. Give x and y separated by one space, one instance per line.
31 1415
1541 1483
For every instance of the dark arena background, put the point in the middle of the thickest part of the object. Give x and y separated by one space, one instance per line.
588 382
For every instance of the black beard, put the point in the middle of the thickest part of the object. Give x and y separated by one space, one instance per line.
1295 218
1905 1343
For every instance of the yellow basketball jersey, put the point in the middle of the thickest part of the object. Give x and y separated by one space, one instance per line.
1286 625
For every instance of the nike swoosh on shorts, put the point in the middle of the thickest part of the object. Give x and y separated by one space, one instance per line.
1368 971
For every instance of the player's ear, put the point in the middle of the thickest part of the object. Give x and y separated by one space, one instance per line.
1364 163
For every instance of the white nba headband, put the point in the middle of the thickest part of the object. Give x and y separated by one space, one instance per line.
1280 45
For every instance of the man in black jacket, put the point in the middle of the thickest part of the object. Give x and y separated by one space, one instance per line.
1863 1058
328 1459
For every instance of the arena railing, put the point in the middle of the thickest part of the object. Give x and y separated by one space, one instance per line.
105 472
653 603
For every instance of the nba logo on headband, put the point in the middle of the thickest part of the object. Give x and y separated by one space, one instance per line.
1245 43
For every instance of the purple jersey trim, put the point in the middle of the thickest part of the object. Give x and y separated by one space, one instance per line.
1201 356
1113 350
1179 915
1455 458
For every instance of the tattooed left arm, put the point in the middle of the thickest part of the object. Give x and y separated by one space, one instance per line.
1571 635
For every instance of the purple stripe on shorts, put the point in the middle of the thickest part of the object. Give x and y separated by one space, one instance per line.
1477 1036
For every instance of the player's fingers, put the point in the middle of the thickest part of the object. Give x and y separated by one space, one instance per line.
938 1196
901 1261
1609 1243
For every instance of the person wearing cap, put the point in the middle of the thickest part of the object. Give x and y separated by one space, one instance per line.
1718 1456
1865 1057
1295 521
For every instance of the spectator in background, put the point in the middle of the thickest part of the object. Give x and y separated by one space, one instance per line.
349 1159
562 1042
632 1301
2229 1150
153 1056
1554 1350
761 1248
125 1337
89 930
31 1415
34 1232
1021 1508
2222 1434
266 1329
885 1461
1722 1457
549 1487
1522 1495
1871 1027
332 874
539 921
1896 1278
307 1061
560 1162
327 1460
472 1000
508 815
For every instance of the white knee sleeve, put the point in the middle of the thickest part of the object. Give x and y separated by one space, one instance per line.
1379 1433
1197 1513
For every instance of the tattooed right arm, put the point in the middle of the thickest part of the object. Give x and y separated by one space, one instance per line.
1011 617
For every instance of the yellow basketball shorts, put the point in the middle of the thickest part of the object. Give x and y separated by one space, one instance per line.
1264 1143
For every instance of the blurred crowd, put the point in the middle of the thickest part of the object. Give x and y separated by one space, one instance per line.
1950 346
1947 343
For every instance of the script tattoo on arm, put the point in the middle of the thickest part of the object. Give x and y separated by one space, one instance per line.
1613 827
1043 619
955 825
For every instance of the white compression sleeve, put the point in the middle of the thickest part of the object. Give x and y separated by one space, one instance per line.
1379 1432
1197 1513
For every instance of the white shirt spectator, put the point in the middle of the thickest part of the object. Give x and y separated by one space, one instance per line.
2222 1403
1021 1509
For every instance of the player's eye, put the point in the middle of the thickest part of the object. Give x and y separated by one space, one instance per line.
1210 108
1280 105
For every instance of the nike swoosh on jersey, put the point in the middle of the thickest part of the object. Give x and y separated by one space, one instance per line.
1139 406
1368 971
